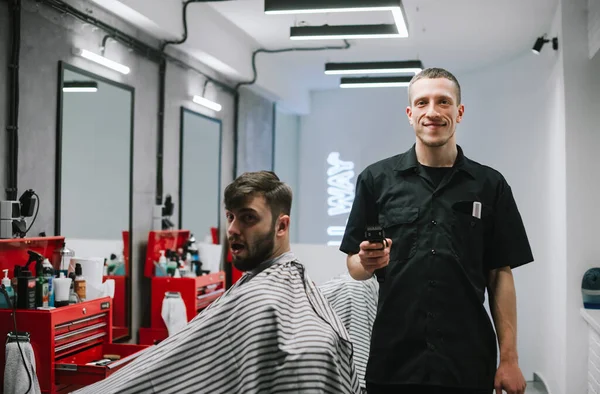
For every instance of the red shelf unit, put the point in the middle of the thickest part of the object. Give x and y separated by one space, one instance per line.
197 293
121 303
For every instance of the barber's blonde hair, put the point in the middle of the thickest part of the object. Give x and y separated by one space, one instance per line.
433 73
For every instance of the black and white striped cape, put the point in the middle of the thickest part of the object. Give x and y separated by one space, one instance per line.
355 303
275 333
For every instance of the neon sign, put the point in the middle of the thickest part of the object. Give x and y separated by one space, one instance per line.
340 193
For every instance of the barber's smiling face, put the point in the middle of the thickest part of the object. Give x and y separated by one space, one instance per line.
251 233
434 110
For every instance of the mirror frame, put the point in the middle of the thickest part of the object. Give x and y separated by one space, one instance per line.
183 111
58 182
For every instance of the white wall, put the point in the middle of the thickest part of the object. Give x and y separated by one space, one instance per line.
552 351
582 103
322 262
510 124
363 126
287 136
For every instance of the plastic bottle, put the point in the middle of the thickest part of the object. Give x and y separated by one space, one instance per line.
41 286
9 290
26 290
172 265
79 284
62 288
162 262
73 299
48 271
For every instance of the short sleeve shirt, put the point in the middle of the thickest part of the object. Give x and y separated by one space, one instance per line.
431 326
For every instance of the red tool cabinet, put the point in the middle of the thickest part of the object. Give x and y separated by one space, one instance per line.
63 339
197 293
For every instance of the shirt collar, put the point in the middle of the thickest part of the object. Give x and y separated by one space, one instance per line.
408 162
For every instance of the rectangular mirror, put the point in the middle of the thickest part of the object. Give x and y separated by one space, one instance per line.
200 174
94 179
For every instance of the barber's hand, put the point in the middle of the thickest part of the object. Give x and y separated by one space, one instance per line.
510 379
374 256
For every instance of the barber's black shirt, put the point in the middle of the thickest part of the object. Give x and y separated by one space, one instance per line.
431 327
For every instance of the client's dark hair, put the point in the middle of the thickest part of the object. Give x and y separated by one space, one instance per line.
262 183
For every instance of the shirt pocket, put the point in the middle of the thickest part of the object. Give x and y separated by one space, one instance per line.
400 225
469 232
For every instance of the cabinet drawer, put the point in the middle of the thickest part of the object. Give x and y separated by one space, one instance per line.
74 369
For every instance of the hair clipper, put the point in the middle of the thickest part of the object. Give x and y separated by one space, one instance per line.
375 234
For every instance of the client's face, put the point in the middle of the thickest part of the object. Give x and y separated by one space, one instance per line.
251 234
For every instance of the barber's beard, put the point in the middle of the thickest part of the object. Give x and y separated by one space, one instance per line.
258 252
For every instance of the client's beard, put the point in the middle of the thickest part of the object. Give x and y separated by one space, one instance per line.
258 252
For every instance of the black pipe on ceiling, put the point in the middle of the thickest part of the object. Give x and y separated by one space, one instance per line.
12 126
162 81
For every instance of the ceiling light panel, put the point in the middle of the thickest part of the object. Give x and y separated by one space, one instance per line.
400 67
378 82
343 32
329 6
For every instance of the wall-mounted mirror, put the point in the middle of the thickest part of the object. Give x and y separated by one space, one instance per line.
200 174
94 182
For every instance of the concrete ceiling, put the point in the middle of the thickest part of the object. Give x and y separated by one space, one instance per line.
461 35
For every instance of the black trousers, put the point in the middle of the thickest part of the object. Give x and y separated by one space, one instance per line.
416 389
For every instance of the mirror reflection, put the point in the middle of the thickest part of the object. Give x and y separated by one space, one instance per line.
94 192
200 174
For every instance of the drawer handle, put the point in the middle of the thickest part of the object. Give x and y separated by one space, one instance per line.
80 331
81 341
75 322
66 367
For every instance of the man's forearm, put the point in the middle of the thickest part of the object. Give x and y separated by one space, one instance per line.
355 268
503 305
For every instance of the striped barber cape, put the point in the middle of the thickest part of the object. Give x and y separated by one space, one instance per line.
355 302
273 333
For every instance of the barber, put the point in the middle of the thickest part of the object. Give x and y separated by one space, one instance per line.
453 230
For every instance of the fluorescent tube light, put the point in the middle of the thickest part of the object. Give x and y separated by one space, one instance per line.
207 103
328 6
80 90
101 60
346 32
275 7
379 82
405 67
80 87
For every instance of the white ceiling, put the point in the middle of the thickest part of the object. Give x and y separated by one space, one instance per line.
461 35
